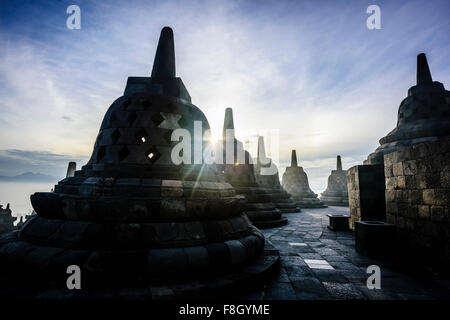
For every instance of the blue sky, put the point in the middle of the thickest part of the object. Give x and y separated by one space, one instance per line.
310 69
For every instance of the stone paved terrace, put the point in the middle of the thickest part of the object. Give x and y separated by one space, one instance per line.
341 273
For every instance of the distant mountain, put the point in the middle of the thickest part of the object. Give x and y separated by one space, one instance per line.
29 177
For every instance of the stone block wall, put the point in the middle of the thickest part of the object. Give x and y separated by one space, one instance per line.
418 198
366 193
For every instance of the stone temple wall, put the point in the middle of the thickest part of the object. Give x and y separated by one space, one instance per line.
366 193
418 197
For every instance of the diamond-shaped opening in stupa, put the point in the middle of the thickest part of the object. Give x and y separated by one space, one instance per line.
132 116
101 153
142 136
123 153
115 136
152 155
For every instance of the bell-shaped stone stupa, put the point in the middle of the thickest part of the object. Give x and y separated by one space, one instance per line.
6 219
266 173
240 174
295 181
336 193
423 116
131 217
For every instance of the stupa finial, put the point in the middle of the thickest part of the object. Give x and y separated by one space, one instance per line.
423 71
338 163
71 168
228 122
294 159
164 64
261 149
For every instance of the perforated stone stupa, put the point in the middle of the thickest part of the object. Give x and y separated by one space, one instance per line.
423 116
336 193
240 174
295 181
267 176
131 215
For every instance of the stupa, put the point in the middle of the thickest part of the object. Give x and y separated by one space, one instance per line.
240 174
131 218
336 193
266 173
295 181
6 220
423 116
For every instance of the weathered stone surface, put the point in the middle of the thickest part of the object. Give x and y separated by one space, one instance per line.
295 181
374 238
366 193
420 207
131 214
338 222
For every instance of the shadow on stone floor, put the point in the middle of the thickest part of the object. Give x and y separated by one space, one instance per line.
320 264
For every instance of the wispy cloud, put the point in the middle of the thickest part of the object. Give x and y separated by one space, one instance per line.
14 162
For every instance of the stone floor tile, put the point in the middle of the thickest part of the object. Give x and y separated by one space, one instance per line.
343 291
310 289
330 276
336 258
280 291
299 273
349 277
311 256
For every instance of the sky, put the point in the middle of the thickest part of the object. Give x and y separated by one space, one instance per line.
310 70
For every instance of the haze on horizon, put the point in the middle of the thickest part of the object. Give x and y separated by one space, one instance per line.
310 69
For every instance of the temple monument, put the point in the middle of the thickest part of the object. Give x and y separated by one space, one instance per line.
336 193
240 174
6 220
132 215
267 176
295 181
423 117
405 184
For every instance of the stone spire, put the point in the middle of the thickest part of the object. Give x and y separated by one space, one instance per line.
163 79
336 193
261 211
294 159
164 64
338 164
261 149
266 173
295 181
422 116
423 71
6 220
228 122
71 169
